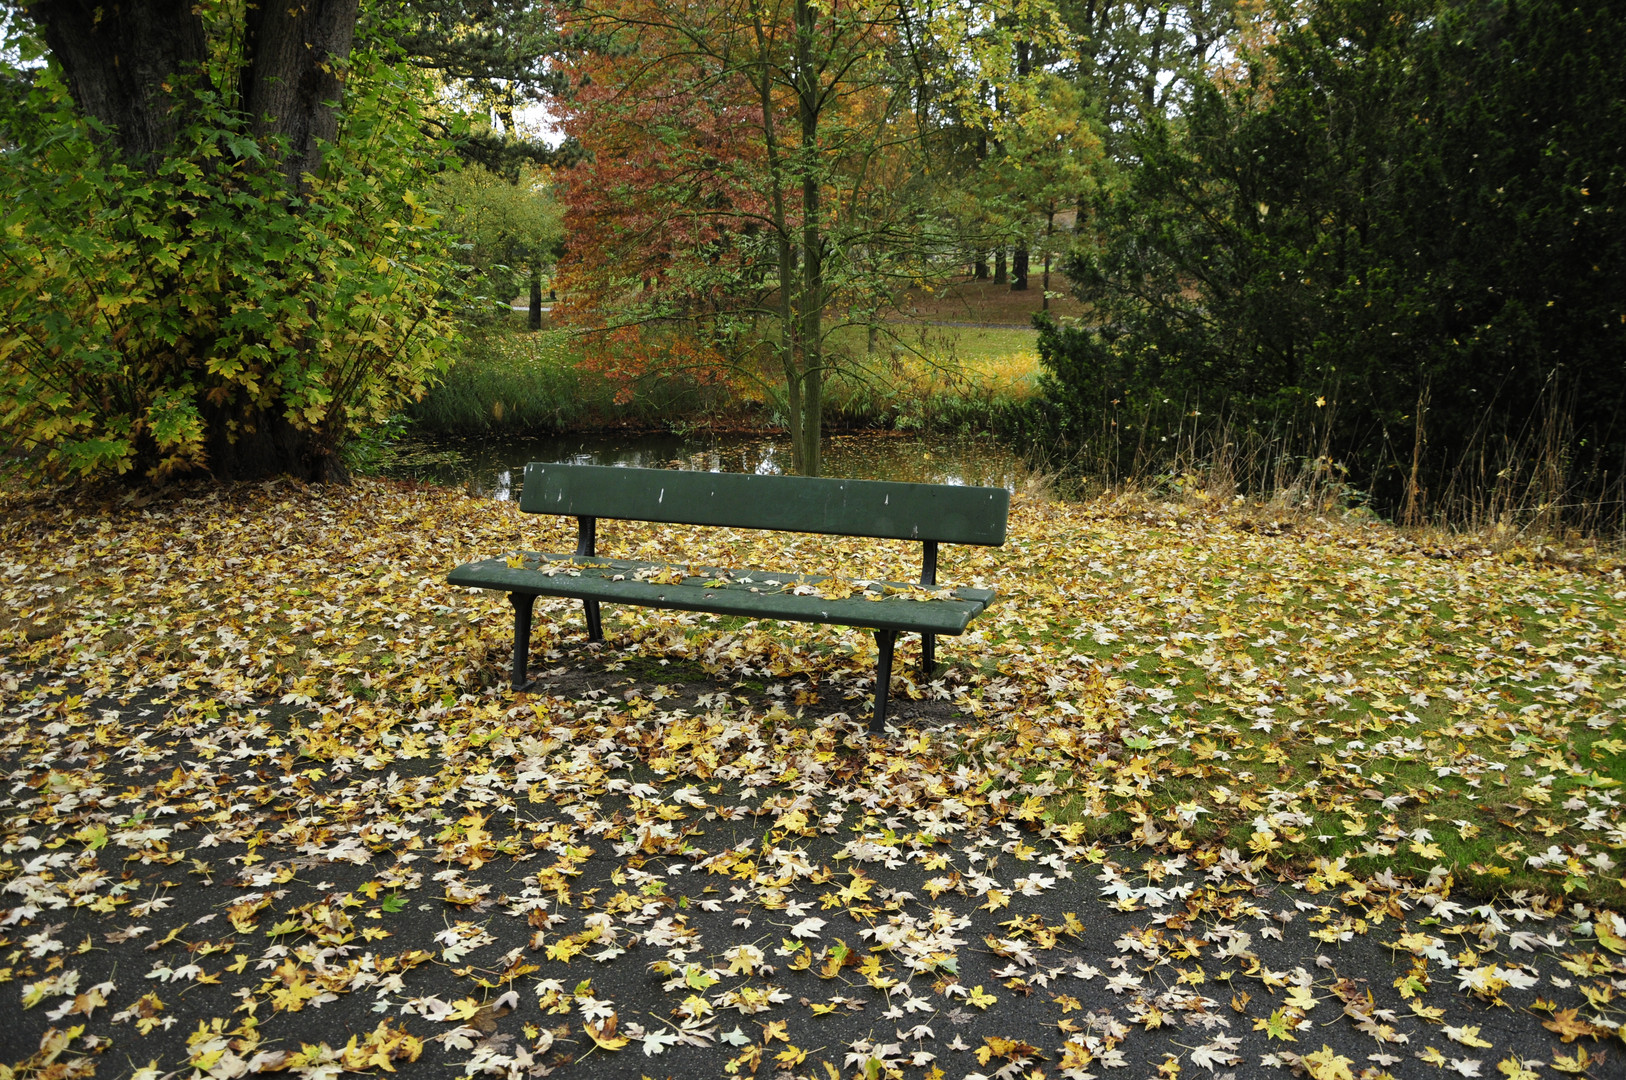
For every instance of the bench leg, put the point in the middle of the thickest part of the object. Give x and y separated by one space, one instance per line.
523 603
928 654
884 640
595 627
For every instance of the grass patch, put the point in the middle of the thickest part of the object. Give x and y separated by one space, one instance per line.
933 378
938 378
507 380
1375 718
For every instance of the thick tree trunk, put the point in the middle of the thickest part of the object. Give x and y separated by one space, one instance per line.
979 268
295 73
257 445
1000 276
118 58
1019 269
126 62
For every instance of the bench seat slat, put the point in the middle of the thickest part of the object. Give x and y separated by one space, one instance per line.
726 592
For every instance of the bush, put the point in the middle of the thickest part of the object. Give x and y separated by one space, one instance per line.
1411 210
200 314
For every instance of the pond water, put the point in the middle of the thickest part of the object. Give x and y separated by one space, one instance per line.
494 466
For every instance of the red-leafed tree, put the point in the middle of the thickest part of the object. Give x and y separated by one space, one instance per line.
760 172
663 209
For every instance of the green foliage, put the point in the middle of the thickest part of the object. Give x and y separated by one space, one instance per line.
509 228
507 381
152 320
1414 210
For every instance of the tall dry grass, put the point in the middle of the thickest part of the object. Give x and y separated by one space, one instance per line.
1510 486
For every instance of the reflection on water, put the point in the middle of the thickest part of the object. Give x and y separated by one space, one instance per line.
494 467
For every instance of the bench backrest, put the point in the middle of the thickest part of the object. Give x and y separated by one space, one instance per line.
936 512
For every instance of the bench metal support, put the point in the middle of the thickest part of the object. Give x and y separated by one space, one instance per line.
523 603
885 640
587 544
928 576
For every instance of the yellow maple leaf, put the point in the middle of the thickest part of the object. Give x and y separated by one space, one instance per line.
1577 1064
980 998
1608 936
1427 1013
605 1036
1468 1035
1326 1064
1514 1069
1300 997
1568 1025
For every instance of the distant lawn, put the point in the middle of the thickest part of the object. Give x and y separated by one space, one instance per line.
984 302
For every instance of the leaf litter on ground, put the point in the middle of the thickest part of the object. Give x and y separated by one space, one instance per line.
271 808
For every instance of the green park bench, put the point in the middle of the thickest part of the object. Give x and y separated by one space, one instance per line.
929 513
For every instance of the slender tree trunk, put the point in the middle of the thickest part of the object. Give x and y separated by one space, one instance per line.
536 294
1019 257
1049 232
1411 514
979 270
1149 89
785 248
812 253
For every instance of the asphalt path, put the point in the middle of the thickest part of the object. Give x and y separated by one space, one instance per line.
767 932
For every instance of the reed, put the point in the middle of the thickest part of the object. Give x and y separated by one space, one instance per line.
1510 486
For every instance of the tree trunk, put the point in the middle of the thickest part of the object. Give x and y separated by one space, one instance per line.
1049 232
134 65
256 445
536 294
118 59
294 72
1019 269
979 270
1000 277
790 326
126 64
812 242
